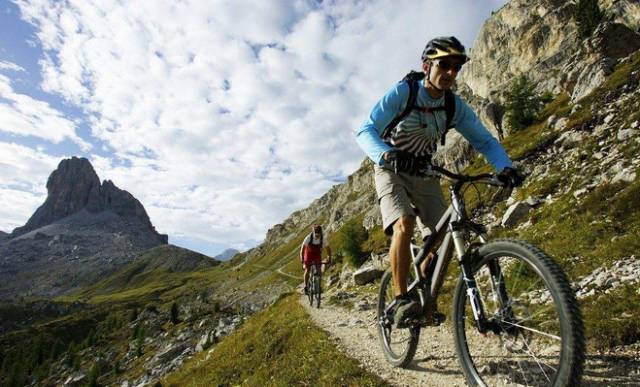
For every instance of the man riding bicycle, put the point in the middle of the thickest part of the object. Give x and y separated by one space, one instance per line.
400 136
311 252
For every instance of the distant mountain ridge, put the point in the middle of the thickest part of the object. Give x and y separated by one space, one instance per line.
82 232
227 254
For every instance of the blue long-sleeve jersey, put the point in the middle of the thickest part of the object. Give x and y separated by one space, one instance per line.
420 131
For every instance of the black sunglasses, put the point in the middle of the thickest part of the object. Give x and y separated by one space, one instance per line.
446 66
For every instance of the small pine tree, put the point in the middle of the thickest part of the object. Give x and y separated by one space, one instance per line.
350 238
174 313
522 103
588 16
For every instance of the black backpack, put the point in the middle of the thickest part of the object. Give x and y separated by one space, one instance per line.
413 80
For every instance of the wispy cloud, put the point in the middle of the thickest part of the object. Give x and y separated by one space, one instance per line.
22 115
224 117
4 65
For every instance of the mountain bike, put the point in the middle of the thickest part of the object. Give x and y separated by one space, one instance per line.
314 290
514 315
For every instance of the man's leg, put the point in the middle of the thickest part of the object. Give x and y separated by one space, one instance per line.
400 253
306 276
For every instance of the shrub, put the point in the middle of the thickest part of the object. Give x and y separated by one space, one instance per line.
377 241
588 15
350 238
522 103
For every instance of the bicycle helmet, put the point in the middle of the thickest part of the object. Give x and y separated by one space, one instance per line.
444 46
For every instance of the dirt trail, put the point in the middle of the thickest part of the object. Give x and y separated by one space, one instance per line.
355 333
435 363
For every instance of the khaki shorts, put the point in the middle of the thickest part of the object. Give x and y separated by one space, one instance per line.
402 194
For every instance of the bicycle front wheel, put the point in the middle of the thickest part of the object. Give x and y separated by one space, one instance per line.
535 333
399 345
310 285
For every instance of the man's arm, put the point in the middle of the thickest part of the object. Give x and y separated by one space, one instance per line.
304 243
328 250
383 112
469 125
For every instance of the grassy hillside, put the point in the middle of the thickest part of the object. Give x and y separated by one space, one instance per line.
279 346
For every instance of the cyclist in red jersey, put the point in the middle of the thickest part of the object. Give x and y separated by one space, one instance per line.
311 252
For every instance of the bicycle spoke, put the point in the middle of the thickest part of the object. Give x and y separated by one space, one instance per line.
532 330
521 351
538 362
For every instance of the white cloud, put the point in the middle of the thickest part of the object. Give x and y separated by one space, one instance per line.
231 115
4 65
25 116
23 178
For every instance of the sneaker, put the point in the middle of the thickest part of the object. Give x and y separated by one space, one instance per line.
405 309
433 319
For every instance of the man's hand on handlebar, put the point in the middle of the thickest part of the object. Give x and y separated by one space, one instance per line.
510 177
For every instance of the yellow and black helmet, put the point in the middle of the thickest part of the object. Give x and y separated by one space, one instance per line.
444 46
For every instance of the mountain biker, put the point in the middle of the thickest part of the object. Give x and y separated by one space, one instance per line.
407 148
311 252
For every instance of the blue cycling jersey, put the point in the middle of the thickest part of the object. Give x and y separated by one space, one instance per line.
420 131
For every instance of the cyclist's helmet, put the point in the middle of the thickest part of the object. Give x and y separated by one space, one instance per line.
444 46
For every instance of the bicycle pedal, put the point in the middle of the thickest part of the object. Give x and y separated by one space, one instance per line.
434 321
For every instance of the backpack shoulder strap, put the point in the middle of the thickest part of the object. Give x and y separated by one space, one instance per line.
414 86
450 110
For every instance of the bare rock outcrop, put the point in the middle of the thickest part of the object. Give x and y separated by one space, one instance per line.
75 186
82 232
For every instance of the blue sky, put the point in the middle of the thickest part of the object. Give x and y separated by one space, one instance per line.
221 117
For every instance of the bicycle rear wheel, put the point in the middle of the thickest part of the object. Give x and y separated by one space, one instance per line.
316 289
537 334
399 345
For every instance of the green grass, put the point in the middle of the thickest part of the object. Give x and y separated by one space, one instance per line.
612 320
279 346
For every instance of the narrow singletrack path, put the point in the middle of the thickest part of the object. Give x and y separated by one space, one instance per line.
435 363
355 333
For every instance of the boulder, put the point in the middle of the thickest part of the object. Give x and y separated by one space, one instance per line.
366 274
515 213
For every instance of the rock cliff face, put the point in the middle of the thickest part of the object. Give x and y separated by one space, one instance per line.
75 186
83 231
540 38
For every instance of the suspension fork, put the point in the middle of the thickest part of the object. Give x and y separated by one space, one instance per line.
497 281
472 292
466 258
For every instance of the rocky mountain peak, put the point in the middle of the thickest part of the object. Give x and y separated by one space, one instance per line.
75 186
227 254
83 231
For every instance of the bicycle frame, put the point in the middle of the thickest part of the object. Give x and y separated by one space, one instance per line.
450 228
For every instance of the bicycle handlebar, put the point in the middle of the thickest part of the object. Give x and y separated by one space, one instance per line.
439 172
